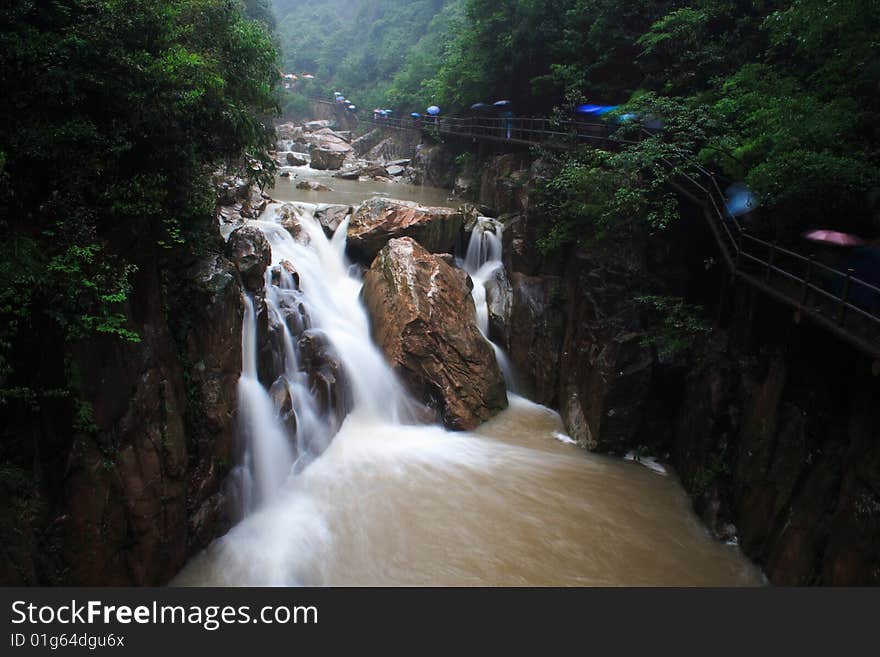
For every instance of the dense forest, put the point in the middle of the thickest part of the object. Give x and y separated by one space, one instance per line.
780 95
372 50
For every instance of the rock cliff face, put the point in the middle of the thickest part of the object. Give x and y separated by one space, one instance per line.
769 424
423 319
129 469
776 439
137 486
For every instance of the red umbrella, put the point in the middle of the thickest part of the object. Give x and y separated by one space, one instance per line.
834 237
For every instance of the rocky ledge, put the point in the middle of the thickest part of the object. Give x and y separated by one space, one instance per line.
380 219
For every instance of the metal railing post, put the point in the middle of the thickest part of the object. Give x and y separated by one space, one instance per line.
844 299
807 281
771 262
739 248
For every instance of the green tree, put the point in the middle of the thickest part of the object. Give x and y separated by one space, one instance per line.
115 115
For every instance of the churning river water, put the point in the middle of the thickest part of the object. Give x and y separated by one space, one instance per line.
392 503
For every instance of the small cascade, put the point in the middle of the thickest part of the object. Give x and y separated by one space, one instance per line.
267 455
482 261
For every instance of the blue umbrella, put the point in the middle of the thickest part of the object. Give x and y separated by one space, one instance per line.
352 107
740 200
480 106
416 115
501 103
433 110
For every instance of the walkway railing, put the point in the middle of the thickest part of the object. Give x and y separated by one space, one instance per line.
839 301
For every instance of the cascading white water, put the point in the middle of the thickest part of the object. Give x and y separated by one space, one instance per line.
267 456
482 261
320 294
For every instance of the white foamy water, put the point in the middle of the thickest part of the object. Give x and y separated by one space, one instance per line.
482 260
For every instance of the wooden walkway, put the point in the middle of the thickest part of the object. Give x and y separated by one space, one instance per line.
836 300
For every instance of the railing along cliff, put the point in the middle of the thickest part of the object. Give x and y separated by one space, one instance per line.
836 300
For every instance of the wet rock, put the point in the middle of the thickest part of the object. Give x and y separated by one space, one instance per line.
327 377
290 215
605 370
296 159
380 219
422 315
385 150
499 300
331 216
314 126
367 142
325 159
536 332
283 403
348 174
311 186
288 131
395 171
251 254
434 166
231 189
505 184
278 270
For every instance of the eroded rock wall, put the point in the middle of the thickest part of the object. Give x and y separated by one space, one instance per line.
773 426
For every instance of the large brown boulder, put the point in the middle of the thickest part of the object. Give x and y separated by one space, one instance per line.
423 319
380 219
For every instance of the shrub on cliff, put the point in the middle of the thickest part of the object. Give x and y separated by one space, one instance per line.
114 115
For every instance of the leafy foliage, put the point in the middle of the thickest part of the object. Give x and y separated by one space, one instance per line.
114 116
678 326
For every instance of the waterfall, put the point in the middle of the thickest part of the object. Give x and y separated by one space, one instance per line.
391 503
482 261
283 428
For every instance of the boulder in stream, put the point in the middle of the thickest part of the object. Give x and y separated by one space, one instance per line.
296 159
325 159
312 186
376 221
423 319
